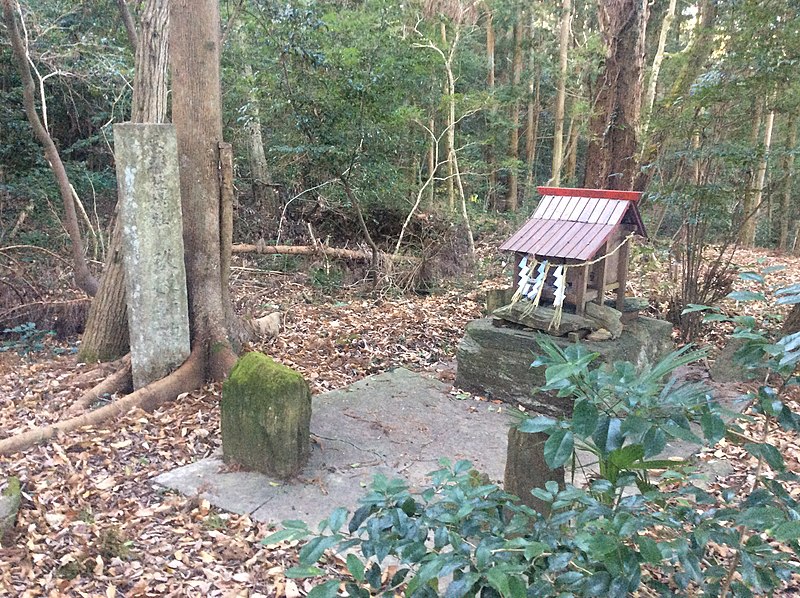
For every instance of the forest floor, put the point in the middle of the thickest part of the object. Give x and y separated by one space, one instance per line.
91 522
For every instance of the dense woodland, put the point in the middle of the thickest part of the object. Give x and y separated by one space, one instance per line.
694 103
394 146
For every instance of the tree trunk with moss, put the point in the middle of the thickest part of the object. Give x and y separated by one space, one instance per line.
613 152
106 335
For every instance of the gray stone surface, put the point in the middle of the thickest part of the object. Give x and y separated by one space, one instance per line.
152 239
399 424
265 417
495 361
607 317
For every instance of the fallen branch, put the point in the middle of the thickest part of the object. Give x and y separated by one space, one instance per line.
120 381
319 249
187 377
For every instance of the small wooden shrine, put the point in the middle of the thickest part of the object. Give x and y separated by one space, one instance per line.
576 246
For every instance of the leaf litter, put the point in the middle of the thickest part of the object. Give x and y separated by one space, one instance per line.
92 523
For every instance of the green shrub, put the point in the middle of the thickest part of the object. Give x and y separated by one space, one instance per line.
628 529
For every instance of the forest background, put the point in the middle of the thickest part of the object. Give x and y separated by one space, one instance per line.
414 130
492 98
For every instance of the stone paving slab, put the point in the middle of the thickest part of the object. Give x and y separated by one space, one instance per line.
398 423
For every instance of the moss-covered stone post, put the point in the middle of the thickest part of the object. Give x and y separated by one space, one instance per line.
266 417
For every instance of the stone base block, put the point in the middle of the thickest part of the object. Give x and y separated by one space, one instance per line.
495 361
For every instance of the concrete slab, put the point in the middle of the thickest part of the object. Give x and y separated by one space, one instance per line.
398 423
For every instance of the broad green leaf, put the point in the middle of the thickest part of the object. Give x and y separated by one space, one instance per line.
680 432
498 578
754 276
584 418
713 427
337 519
693 307
786 532
355 567
533 425
597 584
284 534
769 453
649 550
715 318
626 456
654 442
329 589
535 549
746 296
311 552
558 448
301 572
608 436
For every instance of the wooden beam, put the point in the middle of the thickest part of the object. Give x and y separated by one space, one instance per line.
622 273
581 280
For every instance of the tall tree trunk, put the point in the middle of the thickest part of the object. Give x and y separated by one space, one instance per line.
561 93
696 55
106 335
534 106
432 161
83 277
612 155
450 138
571 162
748 230
512 195
747 226
263 191
197 115
491 162
130 24
652 83
788 173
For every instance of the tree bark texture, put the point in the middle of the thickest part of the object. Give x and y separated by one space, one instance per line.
127 20
658 59
747 227
106 336
534 106
697 54
561 93
512 194
197 115
83 277
264 194
612 155
788 173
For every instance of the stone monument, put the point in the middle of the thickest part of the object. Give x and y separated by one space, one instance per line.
266 417
152 245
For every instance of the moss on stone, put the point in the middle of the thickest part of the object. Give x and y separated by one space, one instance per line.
266 417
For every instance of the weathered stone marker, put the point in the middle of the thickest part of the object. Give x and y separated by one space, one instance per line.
526 468
152 242
266 417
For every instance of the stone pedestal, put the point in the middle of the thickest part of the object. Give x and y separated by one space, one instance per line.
152 242
266 417
495 361
526 468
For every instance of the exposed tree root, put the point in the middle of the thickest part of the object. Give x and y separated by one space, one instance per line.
187 377
117 379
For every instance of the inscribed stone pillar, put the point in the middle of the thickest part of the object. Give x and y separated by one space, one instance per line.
152 243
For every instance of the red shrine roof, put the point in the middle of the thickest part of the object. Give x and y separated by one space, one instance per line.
574 223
